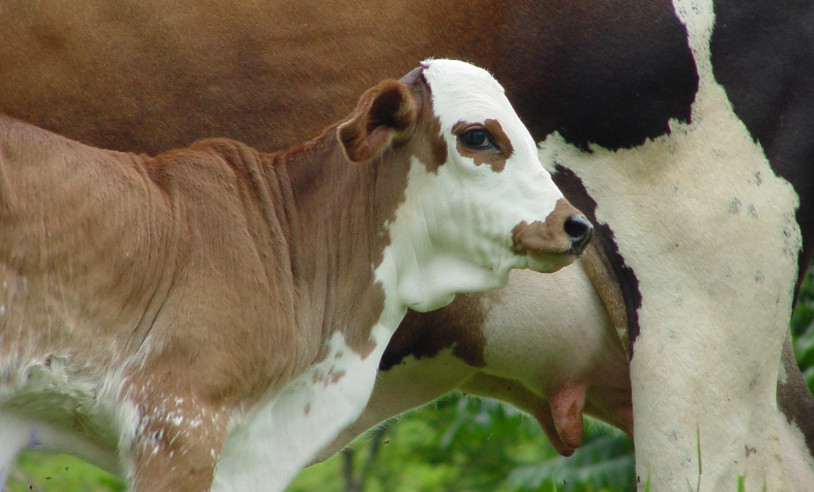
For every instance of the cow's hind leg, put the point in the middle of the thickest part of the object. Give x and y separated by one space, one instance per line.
15 435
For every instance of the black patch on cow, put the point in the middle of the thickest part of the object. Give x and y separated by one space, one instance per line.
762 55
611 73
575 191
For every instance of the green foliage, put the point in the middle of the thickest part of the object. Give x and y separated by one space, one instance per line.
44 472
603 462
802 328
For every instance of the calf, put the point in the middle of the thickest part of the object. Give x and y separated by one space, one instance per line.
213 316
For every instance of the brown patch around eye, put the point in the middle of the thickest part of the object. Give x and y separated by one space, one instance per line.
496 159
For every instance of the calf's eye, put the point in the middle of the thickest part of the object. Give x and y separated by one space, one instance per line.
478 139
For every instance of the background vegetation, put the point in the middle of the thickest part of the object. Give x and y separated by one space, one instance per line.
457 444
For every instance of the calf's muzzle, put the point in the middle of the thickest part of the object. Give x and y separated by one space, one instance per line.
566 231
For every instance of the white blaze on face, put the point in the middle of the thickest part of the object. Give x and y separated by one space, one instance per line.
709 231
459 219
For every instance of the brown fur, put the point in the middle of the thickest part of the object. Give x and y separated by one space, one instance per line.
155 75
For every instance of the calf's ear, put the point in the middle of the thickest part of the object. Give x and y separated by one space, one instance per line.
384 114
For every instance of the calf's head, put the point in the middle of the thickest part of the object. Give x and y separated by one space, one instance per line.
477 200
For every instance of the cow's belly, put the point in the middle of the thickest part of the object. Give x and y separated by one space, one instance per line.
709 232
271 443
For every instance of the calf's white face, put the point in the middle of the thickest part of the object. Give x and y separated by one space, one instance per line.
490 206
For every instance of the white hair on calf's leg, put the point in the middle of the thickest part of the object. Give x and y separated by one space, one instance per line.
16 436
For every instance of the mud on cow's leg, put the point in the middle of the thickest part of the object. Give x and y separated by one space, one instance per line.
177 443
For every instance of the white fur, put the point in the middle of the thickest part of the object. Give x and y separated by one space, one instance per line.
58 394
709 231
91 406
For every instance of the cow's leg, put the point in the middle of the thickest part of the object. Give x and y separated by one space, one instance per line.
15 435
709 244
176 445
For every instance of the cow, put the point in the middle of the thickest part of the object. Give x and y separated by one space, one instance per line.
624 97
211 317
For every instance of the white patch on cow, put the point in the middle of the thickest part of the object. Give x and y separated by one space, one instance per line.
272 442
782 375
535 335
429 265
16 435
716 280
557 327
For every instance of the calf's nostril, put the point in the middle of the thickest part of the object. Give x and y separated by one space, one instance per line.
580 230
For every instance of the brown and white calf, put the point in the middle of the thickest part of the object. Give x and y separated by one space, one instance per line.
213 316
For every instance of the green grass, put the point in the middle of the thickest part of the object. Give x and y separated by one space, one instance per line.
45 472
